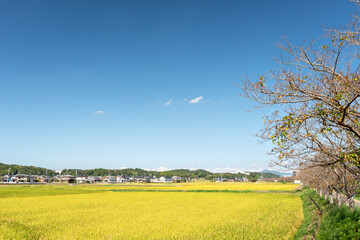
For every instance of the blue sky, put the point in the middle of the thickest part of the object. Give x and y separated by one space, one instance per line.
110 84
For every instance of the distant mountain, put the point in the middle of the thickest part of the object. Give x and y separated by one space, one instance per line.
281 174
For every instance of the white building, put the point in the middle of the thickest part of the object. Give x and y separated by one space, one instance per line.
121 179
81 179
165 180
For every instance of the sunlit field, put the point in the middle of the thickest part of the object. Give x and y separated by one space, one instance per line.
100 212
151 215
243 186
56 189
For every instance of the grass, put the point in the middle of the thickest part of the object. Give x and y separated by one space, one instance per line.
97 212
334 223
308 228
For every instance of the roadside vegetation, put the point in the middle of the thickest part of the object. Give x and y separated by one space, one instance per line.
323 220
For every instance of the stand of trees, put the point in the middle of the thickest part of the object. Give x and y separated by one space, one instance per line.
316 124
30 170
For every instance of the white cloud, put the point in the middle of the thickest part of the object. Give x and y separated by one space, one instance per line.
215 170
168 103
196 100
99 112
228 169
160 169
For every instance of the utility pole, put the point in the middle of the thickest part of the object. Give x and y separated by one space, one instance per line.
9 174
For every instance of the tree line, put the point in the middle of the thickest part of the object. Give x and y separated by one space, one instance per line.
19 169
184 173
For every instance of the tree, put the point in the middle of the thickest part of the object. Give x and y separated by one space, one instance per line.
316 96
317 89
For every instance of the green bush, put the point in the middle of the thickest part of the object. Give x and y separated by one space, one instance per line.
336 223
340 223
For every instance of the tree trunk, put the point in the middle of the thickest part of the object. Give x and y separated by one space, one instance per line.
350 203
338 199
326 194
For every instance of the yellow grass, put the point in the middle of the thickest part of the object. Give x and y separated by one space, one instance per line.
148 215
205 186
243 186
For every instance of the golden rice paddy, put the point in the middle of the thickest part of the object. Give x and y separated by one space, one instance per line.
101 212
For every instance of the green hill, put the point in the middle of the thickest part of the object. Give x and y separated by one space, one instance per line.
30 170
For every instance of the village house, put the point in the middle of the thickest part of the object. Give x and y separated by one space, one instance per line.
165 179
22 178
44 179
6 178
94 179
270 179
110 179
81 179
292 179
121 179
67 179
155 180
176 179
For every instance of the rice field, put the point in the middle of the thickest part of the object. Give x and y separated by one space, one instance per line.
99 212
205 186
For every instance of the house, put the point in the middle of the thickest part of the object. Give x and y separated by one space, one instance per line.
67 179
94 179
165 180
146 179
155 180
292 179
6 178
44 179
270 179
22 178
81 179
140 179
121 179
240 179
110 179
176 179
